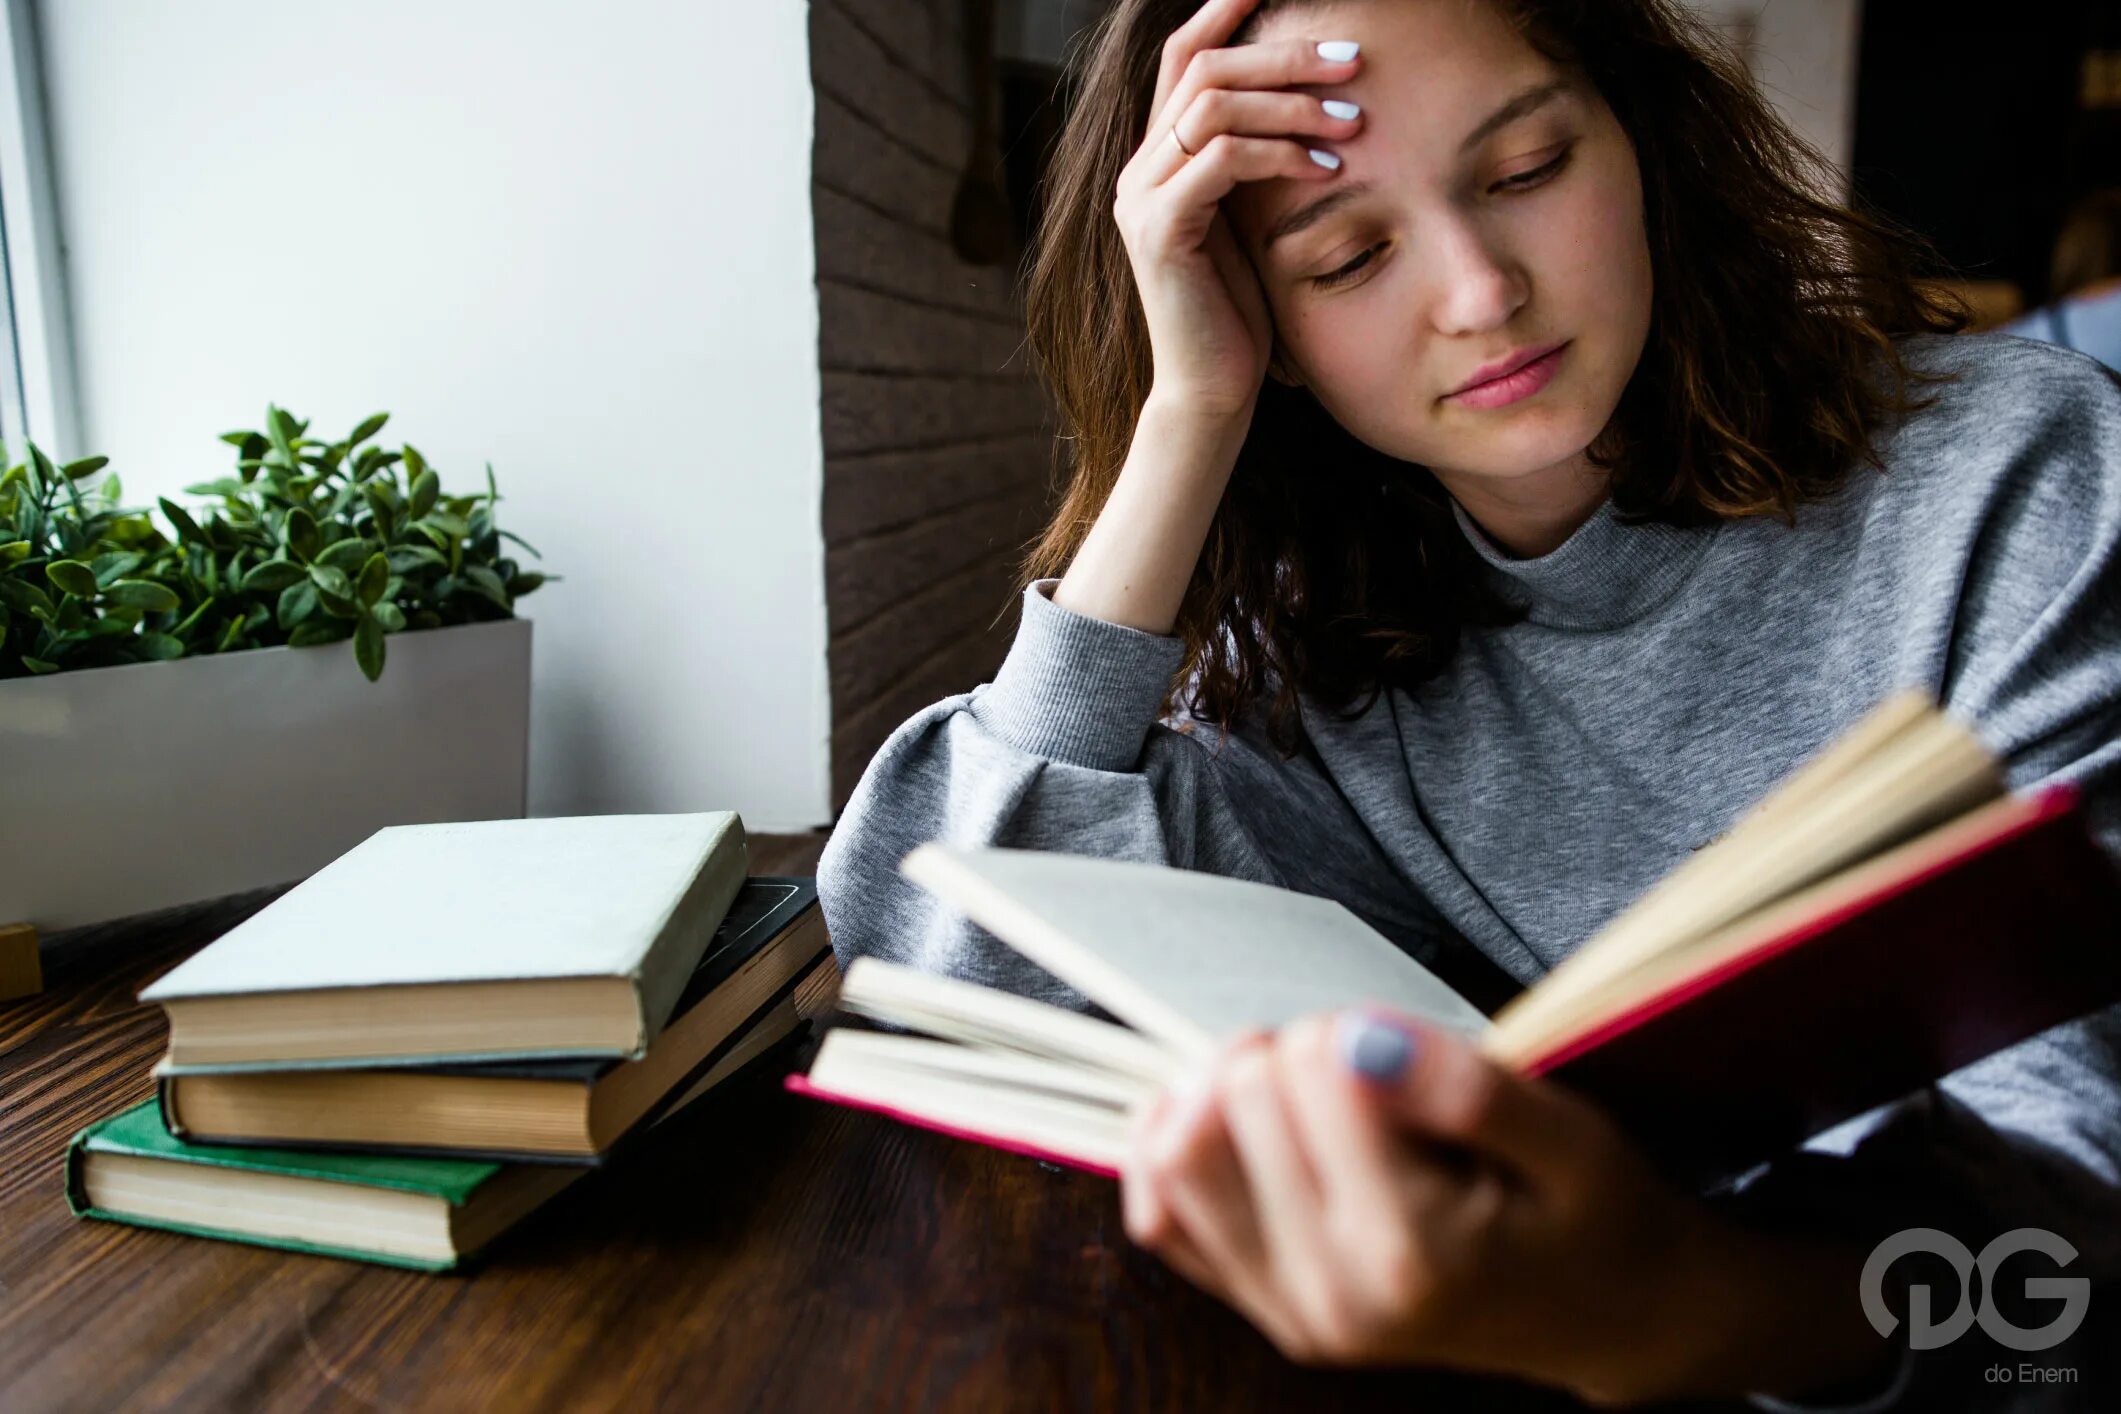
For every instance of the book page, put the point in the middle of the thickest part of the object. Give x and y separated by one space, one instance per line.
1186 957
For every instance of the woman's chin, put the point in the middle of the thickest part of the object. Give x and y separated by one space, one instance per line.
1534 441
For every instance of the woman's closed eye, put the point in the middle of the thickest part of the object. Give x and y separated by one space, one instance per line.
1537 175
1346 272
1521 181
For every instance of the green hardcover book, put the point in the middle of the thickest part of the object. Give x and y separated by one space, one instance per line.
406 1210
429 1214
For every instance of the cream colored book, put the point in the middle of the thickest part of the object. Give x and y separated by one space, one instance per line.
482 940
1891 878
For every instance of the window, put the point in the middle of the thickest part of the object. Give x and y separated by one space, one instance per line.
37 398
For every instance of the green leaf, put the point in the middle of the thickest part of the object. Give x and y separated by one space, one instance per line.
87 466
369 427
281 428
488 584
414 463
38 665
390 616
383 508
303 538
161 646
187 528
235 632
368 647
407 558
16 551
348 554
226 486
237 439
523 583
425 488
445 522
316 631
297 602
144 593
191 620
115 565
375 575
26 598
272 577
73 577
331 581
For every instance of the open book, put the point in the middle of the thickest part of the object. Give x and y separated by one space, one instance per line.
1887 914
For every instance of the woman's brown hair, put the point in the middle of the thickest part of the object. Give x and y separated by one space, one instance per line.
1334 571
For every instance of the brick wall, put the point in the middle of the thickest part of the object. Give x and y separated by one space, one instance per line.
937 439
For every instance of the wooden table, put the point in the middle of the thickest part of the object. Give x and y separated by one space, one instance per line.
763 1251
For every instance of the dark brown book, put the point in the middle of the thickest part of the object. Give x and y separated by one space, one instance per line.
767 970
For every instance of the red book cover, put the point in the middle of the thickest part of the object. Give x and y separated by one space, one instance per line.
2016 931
2019 931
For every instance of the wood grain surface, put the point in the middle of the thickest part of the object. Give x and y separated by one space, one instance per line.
762 1252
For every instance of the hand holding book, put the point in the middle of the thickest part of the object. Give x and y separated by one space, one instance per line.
1373 1190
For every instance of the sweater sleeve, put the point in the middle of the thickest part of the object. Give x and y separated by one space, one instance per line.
2031 1135
1063 751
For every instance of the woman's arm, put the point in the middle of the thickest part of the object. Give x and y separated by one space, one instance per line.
1062 751
1135 563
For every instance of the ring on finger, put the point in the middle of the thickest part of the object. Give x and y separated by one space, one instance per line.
1180 141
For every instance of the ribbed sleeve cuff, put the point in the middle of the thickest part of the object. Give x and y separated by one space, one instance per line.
1077 689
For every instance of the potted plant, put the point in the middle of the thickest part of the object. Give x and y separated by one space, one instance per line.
177 718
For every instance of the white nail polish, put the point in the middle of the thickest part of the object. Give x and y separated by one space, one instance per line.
1338 50
1340 108
1325 159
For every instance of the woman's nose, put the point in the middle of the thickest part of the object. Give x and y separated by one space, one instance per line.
1478 287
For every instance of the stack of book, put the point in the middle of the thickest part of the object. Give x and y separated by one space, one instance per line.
409 1051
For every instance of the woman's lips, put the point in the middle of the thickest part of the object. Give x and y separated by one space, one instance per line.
1512 387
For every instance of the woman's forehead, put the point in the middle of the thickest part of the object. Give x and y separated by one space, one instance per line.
1425 109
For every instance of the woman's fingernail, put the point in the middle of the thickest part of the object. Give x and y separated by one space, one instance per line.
1338 51
1325 159
1340 108
1374 1048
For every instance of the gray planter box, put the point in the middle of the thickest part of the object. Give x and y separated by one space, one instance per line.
154 784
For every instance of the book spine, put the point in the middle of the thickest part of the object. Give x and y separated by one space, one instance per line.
668 966
166 1094
76 1193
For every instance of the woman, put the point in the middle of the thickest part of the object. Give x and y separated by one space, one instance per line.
1518 471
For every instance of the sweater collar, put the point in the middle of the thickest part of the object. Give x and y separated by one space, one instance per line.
1606 574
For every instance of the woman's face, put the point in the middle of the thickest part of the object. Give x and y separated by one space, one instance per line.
1490 207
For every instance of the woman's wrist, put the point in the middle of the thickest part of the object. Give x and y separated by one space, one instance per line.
1135 564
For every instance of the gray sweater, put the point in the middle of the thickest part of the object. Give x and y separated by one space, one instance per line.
1663 680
